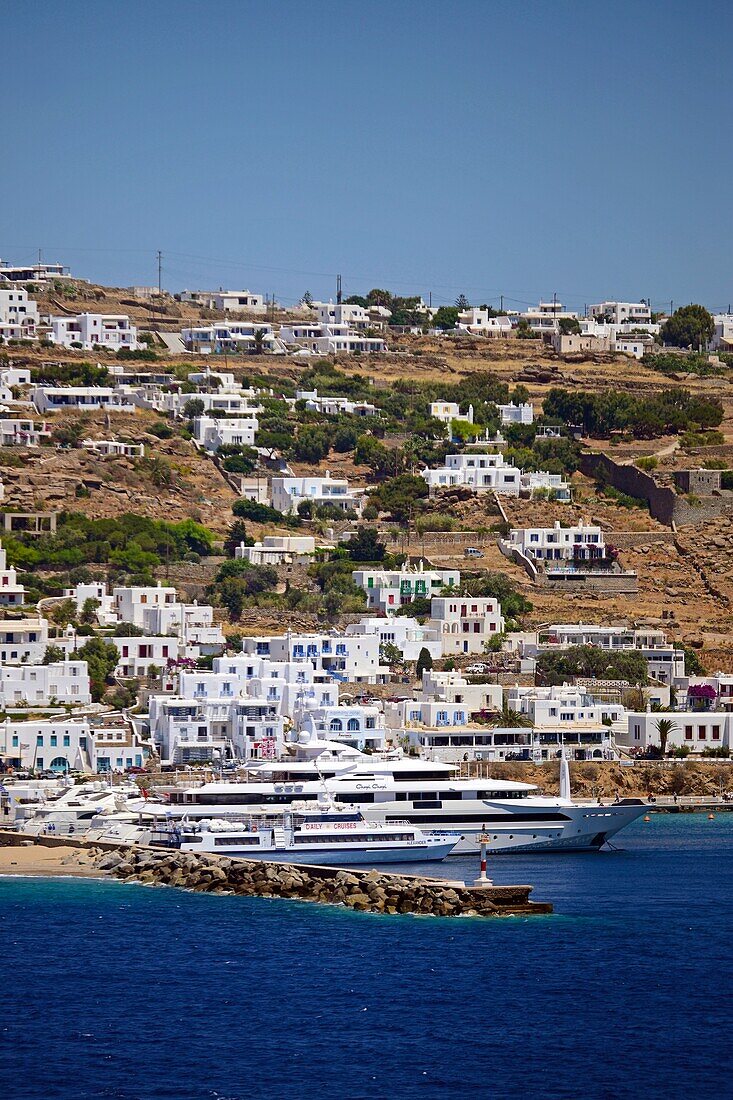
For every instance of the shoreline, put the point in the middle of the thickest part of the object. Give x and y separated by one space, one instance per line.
37 861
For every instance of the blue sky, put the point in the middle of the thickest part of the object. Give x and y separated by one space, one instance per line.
482 147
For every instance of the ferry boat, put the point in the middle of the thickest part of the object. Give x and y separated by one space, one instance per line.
320 833
391 788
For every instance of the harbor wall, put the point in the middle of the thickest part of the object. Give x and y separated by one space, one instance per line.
359 889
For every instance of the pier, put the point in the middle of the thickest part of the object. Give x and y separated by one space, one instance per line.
359 889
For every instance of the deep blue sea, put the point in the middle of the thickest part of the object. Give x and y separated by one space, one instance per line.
135 993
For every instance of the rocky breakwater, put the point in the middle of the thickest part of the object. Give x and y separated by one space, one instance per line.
366 891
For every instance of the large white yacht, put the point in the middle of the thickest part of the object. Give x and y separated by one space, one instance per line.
517 817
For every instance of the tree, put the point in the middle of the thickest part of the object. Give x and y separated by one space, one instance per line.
311 445
236 535
688 327
260 338
194 407
424 662
445 318
391 655
511 719
364 545
63 613
378 297
53 654
101 658
307 299
462 302
89 611
525 330
664 727
555 669
398 495
569 326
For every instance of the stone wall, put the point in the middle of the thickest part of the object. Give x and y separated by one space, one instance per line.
664 504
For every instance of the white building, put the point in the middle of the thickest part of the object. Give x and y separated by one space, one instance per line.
346 658
236 337
664 662
335 406
18 314
289 492
620 313
141 655
447 411
23 433
62 746
208 730
342 313
516 414
56 398
388 589
407 634
291 685
23 640
12 594
230 301
213 433
54 684
277 550
693 730
332 339
493 473
466 623
584 541
722 338
545 318
479 323
226 405
114 447
90 331
361 726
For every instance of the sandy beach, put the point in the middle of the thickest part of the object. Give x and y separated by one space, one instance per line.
36 859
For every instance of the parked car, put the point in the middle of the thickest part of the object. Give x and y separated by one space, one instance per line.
476 668
473 552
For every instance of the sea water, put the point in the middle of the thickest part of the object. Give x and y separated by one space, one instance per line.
125 992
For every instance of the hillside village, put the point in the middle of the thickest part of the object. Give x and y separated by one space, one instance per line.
481 536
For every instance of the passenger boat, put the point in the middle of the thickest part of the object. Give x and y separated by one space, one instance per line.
322 832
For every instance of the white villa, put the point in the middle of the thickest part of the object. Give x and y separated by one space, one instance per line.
694 730
111 331
585 541
335 406
12 594
114 447
289 492
493 473
216 432
388 589
23 640
236 337
229 301
23 433
52 398
516 414
479 323
407 634
447 411
331 339
57 684
621 313
545 317
278 550
18 314
352 658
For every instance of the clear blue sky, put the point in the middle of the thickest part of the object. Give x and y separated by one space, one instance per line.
484 147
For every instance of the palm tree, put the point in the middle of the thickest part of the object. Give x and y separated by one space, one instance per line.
260 337
511 719
664 727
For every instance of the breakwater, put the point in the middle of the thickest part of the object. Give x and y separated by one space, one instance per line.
362 890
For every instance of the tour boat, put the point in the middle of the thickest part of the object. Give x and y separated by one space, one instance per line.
323 833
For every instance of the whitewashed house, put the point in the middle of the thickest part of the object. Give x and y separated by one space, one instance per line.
12 594
23 433
621 313
516 414
584 541
289 492
56 684
693 730
18 314
478 322
23 640
112 332
144 655
407 634
114 447
361 726
346 658
494 473
278 550
333 339
213 433
85 398
229 301
447 411
235 337
388 589
342 313
722 338
544 318
335 406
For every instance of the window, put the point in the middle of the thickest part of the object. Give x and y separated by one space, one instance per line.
702 732
716 733
688 733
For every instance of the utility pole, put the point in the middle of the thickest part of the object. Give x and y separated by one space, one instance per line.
671 307
501 307
160 275
39 257
338 290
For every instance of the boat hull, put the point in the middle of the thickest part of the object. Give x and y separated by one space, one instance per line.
343 857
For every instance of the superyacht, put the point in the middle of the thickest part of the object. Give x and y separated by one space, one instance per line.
392 788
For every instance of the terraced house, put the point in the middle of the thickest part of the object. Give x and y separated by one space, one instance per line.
387 589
